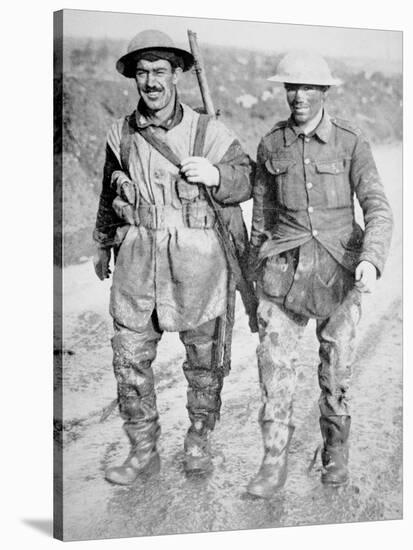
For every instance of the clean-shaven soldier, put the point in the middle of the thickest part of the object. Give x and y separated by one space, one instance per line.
170 271
312 260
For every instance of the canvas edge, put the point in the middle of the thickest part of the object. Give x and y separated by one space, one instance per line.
57 275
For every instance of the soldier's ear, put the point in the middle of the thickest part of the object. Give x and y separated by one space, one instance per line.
325 92
176 75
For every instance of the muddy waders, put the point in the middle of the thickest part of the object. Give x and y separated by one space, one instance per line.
133 354
132 361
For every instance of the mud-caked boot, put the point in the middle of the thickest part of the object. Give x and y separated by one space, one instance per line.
272 474
335 431
198 458
143 457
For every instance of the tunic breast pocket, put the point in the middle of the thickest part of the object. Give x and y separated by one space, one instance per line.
333 176
282 170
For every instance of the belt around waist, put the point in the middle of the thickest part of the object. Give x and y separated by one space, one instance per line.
194 216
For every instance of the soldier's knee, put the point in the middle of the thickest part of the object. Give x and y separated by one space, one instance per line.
132 348
200 356
203 378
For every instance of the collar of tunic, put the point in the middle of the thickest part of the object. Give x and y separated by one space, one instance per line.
323 130
143 120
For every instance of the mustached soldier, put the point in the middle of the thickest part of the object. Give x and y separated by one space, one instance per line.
312 260
170 271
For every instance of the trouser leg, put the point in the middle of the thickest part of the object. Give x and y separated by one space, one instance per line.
336 336
133 353
279 335
205 382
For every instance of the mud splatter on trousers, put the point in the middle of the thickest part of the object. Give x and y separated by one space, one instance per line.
280 332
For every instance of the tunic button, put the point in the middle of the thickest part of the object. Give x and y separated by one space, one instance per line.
296 277
315 233
310 209
307 139
306 161
309 185
290 299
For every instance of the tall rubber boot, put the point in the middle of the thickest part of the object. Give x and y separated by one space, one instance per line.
141 425
203 396
335 431
272 474
143 457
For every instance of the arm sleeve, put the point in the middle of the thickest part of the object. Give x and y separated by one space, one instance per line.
106 220
234 176
370 193
264 212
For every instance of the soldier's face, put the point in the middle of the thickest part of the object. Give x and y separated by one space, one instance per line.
305 101
156 82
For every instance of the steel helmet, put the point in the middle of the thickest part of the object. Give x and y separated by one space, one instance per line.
303 67
146 41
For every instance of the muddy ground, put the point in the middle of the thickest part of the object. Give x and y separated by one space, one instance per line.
169 502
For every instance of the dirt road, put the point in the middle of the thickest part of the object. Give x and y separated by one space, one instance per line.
169 502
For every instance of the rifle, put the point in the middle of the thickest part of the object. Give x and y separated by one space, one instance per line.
244 286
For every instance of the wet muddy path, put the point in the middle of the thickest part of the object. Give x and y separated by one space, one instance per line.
171 503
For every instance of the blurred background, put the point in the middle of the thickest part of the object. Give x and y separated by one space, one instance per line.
238 57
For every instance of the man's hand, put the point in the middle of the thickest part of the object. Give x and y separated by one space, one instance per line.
200 170
101 263
366 276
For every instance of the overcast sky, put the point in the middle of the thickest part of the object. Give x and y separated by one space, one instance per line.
331 41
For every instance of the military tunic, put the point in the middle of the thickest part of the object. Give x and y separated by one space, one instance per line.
304 232
169 258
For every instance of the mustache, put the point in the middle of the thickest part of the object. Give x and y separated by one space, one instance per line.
148 90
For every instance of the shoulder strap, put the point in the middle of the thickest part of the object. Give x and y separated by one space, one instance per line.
201 129
279 126
345 125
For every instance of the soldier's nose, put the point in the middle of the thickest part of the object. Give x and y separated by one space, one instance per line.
150 80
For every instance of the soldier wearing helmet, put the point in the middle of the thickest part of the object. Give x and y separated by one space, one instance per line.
170 272
311 260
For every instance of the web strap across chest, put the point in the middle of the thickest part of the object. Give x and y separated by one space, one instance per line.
129 127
